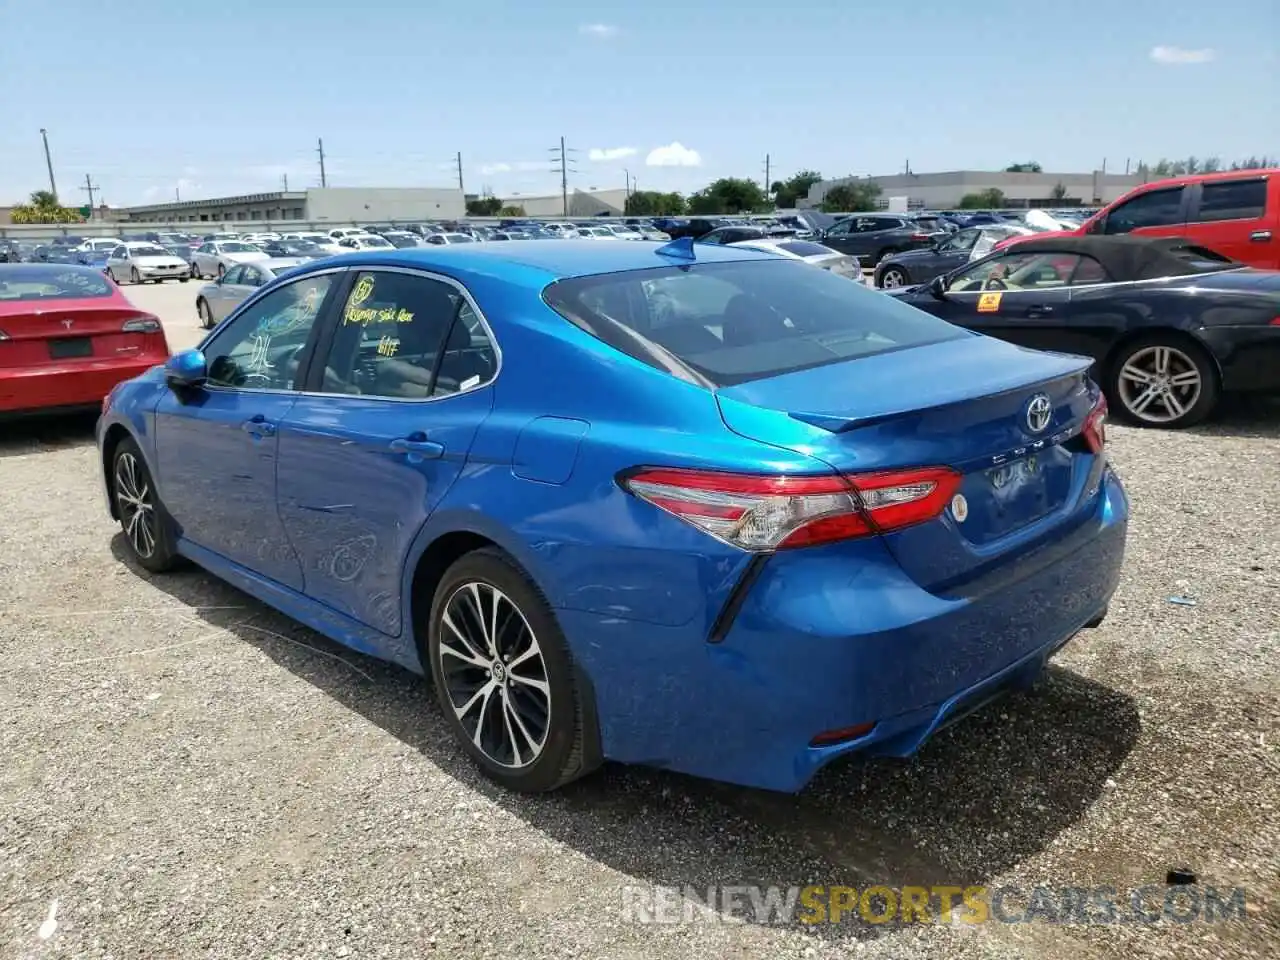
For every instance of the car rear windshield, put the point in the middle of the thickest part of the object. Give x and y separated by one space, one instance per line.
38 282
741 321
803 248
1202 259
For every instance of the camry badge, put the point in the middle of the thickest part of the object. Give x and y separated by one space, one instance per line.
1039 413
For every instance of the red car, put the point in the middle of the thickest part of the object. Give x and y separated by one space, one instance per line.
1236 214
67 336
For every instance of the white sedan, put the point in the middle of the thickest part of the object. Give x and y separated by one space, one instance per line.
817 254
215 258
363 241
142 261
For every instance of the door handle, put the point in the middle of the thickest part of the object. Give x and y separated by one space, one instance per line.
1039 310
418 445
1260 236
257 426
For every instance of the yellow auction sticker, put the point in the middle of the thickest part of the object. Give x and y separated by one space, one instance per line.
989 302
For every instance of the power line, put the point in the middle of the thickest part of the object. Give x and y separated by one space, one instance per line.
90 187
563 166
324 181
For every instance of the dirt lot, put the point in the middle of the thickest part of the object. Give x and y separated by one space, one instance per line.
186 773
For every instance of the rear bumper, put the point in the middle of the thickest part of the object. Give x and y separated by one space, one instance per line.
25 390
820 646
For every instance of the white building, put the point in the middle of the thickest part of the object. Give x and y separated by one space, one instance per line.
942 191
582 203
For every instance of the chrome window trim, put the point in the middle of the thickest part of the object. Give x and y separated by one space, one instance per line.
368 268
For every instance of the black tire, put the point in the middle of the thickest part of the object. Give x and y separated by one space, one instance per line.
561 757
151 539
900 275
183 279
195 272
204 313
1185 355
112 277
887 252
134 275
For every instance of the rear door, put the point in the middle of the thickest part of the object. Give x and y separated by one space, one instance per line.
380 435
1238 217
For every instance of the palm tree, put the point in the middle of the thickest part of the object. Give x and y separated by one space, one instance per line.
44 200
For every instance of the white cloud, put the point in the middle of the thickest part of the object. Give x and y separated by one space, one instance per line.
1179 56
674 154
513 166
601 31
489 169
605 154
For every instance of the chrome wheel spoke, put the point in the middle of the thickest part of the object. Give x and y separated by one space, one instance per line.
1135 373
1188 379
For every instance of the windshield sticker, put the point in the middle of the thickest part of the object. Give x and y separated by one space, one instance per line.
989 303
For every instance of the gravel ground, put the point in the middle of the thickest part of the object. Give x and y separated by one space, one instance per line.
187 773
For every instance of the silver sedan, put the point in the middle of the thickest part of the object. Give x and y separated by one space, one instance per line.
216 300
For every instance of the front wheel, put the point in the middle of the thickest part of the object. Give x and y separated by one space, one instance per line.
112 277
204 313
503 674
1163 381
134 276
147 528
892 277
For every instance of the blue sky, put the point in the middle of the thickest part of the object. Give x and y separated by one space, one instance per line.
228 97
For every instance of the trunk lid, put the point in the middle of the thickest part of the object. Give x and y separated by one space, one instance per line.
55 332
972 405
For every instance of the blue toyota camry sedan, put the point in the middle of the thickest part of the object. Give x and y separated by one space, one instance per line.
701 508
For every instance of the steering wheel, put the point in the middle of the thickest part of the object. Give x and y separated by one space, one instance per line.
995 283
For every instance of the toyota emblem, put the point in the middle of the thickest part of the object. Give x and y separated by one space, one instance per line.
1039 413
68 323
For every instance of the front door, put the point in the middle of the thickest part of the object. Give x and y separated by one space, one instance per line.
217 445
381 434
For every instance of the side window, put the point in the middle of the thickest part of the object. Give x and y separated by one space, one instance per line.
1089 270
840 229
390 334
1232 200
233 276
469 355
1017 271
1155 208
962 241
260 348
119 253
251 277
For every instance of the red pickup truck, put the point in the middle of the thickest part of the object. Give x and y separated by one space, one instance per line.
1236 214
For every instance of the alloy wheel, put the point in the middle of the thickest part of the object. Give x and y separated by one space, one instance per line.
495 675
136 504
892 278
1159 384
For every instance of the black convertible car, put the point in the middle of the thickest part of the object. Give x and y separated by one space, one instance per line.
1172 326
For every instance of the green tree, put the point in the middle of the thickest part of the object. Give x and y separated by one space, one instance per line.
991 199
653 203
484 207
851 197
728 195
511 210
787 192
44 208
1030 167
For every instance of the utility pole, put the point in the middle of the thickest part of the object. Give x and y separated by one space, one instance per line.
324 182
284 178
89 187
177 195
563 166
48 162
459 164
767 191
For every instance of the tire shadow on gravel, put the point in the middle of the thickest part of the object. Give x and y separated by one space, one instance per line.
1244 416
44 433
979 798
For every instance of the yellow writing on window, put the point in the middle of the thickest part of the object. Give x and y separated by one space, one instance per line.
388 346
367 315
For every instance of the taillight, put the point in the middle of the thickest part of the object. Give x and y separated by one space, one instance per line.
922 236
1095 427
1275 322
765 513
143 324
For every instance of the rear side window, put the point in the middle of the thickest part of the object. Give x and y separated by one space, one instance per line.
1232 200
1155 208
1202 259
735 322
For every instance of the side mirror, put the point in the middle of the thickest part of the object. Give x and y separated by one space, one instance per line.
186 369
938 288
